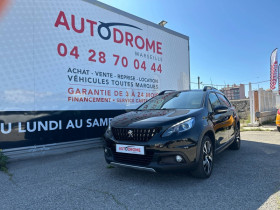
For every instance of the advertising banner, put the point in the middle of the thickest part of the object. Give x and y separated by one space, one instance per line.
273 69
79 62
279 79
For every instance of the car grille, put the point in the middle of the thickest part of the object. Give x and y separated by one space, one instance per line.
133 159
134 134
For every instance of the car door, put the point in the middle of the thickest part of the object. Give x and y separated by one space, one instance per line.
230 122
218 120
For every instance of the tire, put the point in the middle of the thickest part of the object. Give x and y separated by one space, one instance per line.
278 128
206 159
237 140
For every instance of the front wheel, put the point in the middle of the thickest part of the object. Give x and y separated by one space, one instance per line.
237 140
206 158
278 128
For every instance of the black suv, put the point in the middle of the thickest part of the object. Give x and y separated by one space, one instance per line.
173 130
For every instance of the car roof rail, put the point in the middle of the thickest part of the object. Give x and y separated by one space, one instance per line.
209 88
164 91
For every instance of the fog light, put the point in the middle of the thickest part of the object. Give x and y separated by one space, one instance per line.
179 158
107 152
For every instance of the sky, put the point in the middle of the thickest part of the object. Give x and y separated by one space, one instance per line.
230 41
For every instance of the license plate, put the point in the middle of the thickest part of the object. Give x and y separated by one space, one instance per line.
130 149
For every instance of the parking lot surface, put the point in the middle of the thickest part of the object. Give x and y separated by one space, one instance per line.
244 179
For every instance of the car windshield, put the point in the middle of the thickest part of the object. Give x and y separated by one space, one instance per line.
175 100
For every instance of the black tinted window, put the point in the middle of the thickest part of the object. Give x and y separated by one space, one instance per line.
177 100
209 107
214 100
223 100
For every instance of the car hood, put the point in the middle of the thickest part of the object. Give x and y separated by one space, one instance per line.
152 118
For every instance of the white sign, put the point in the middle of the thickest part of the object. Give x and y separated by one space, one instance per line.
75 55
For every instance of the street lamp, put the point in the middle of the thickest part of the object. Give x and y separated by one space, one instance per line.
162 23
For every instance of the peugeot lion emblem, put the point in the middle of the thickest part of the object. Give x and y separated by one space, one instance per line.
130 133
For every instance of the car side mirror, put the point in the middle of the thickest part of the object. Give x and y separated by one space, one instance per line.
220 109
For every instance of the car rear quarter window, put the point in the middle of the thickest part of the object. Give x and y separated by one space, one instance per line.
223 100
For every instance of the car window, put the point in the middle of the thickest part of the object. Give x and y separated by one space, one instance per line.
223 100
228 101
214 100
209 107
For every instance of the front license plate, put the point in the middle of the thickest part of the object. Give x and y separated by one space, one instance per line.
130 149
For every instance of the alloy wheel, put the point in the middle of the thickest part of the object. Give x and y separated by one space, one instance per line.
237 137
207 157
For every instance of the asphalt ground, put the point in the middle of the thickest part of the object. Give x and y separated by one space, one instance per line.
244 179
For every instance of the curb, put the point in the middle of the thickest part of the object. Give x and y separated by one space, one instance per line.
259 129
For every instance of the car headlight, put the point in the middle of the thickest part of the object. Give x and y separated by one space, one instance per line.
108 132
179 127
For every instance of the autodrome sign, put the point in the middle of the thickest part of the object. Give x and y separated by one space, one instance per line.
73 60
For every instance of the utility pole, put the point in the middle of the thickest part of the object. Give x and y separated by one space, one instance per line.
252 106
198 82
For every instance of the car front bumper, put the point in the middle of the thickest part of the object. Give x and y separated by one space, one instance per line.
158 157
